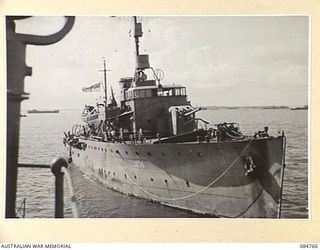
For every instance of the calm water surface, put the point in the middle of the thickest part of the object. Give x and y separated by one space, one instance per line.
41 141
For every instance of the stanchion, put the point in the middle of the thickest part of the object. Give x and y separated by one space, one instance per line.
56 169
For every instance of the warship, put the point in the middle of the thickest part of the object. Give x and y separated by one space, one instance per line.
305 107
153 146
36 111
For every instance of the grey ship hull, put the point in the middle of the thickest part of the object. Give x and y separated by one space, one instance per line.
208 178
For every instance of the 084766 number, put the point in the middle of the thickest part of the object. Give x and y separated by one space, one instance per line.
308 245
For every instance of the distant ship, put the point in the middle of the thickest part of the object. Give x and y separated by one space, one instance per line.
305 107
35 111
153 146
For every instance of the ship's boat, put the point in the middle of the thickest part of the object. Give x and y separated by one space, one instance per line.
153 146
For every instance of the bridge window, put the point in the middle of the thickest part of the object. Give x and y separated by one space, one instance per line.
138 93
165 92
172 92
148 93
142 93
129 94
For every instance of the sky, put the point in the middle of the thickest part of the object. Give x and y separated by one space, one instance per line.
222 60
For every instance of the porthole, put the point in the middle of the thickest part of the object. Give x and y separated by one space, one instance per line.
137 153
111 150
165 181
108 172
135 177
105 150
188 184
151 179
114 173
95 148
149 153
126 152
78 155
125 176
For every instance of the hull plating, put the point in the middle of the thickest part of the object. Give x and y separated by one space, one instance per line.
209 178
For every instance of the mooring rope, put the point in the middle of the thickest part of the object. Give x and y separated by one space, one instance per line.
199 191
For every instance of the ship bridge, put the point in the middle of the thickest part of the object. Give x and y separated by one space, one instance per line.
154 91
150 106
146 101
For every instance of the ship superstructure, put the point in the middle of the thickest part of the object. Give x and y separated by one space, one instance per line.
153 146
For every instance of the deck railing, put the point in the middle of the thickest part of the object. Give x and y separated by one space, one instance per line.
59 167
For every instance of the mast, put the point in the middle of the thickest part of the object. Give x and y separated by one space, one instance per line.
137 33
142 60
105 94
142 63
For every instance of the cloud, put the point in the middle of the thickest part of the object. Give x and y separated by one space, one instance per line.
221 60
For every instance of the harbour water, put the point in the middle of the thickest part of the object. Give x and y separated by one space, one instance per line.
41 141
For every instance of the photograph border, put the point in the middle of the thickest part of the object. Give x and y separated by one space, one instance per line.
180 229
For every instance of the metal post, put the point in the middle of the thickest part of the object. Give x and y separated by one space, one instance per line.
56 167
16 71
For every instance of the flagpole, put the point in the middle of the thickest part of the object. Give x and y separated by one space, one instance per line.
105 93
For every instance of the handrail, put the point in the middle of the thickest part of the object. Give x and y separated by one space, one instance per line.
59 169
30 165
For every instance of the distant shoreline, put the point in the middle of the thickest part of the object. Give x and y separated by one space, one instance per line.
242 107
